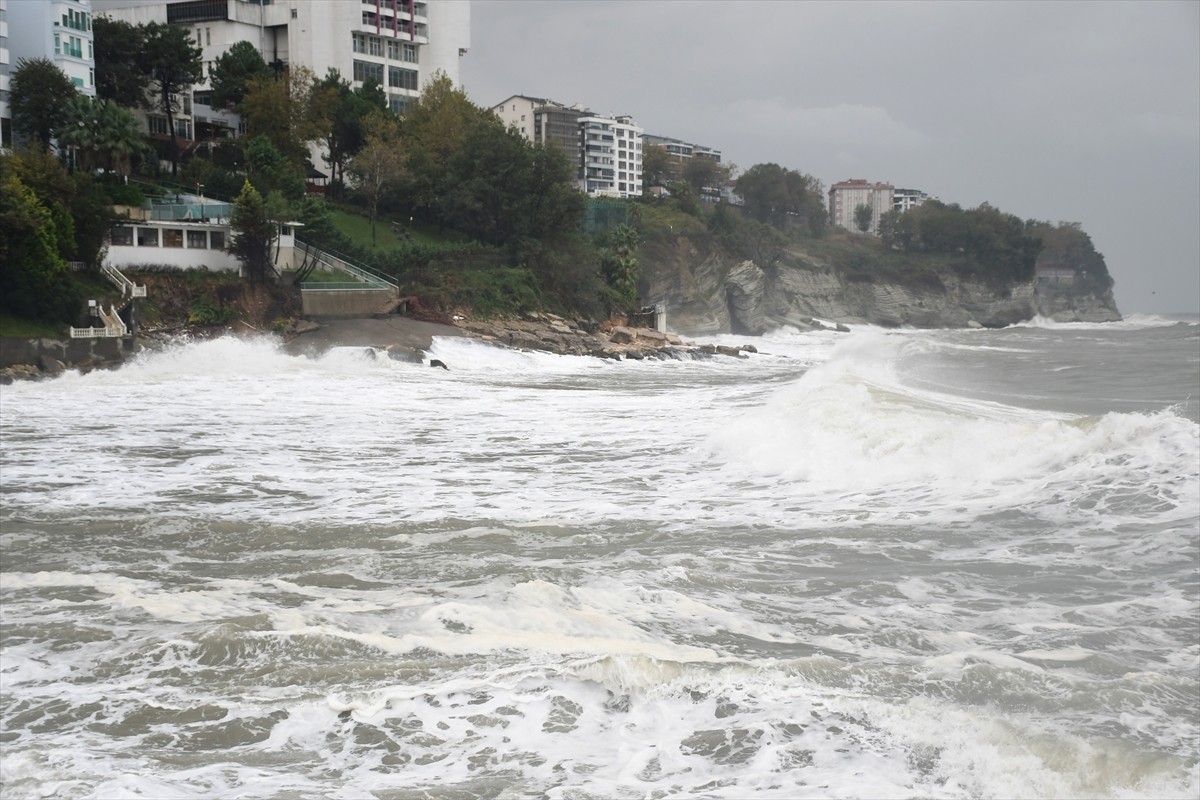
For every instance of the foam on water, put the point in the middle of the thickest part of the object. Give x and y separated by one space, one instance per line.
233 572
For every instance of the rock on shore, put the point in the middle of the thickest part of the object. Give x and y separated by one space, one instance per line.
553 334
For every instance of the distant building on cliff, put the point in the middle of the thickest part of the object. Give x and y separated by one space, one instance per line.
905 199
846 196
605 150
679 154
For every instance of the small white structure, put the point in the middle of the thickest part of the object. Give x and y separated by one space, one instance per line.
142 244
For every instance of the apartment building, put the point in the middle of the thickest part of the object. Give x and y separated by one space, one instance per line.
846 196
607 149
904 199
5 78
542 120
679 153
402 44
612 156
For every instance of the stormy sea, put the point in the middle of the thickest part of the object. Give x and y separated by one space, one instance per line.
882 564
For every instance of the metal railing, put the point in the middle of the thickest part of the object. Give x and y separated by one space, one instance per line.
371 277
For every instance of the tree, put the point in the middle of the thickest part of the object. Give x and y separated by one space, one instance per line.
783 197
434 126
253 234
270 172
618 259
33 279
706 175
118 47
657 169
102 135
379 164
347 109
40 93
232 72
863 217
283 110
172 64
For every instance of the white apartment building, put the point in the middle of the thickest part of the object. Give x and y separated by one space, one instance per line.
846 196
58 30
607 150
612 156
5 71
904 199
402 44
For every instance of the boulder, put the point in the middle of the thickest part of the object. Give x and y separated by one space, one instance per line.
622 335
51 365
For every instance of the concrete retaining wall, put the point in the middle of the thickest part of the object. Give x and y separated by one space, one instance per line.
71 352
346 303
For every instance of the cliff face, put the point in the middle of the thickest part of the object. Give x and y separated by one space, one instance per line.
708 292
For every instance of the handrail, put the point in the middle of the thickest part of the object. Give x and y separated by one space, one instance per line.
127 287
370 273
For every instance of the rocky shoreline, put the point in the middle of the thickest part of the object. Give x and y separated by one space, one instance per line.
401 338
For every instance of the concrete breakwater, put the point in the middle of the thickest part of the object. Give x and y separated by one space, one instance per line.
31 359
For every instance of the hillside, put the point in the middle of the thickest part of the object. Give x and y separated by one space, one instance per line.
736 277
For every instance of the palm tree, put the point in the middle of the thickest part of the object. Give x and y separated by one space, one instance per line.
103 135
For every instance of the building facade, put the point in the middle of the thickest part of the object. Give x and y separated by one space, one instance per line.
58 30
402 44
5 72
846 196
904 199
612 156
607 151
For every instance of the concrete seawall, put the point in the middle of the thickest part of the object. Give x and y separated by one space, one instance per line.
67 351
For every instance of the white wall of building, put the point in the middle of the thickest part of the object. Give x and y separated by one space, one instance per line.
164 244
612 156
59 30
5 70
846 196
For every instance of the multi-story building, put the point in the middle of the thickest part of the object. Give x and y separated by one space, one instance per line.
542 120
607 150
679 153
904 199
57 30
845 197
402 44
612 156
5 113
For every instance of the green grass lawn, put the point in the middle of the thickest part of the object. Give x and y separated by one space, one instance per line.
30 329
358 227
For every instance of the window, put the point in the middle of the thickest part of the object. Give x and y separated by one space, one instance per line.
197 240
375 45
393 50
294 14
410 53
91 77
183 128
360 43
122 236
147 237
398 103
208 35
172 237
157 125
399 78
364 70
216 240
57 46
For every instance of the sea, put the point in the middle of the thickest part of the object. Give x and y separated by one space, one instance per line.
875 564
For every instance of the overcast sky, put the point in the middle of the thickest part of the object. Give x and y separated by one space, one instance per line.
1079 111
